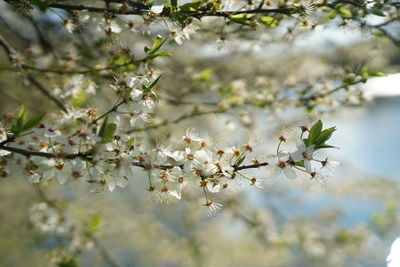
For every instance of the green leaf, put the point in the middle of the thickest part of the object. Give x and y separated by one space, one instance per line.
300 163
324 146
377 12
156 45
80 99
325 135
130 143
179 18
190 6
103 127
331 15
31 123
160 54
42 5
108 133
377 74
148 88
269 21
94 223
205 75
314 132
21 117
240 160
174 4
240 19
73 262
345 13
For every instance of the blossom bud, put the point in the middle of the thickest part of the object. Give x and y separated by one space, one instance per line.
304 128
8 116
249 148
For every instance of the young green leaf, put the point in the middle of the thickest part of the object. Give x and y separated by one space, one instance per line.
314 132
324 146
103 127
31 123
148 88
95 223
269 21
156 45
345 13
160 54
324 135
109 131
240 160
72 262
190 6
174 4
130 144
21 117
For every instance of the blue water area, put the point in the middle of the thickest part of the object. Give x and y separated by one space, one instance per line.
370 142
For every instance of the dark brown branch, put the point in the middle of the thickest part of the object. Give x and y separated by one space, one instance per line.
251 166
87 156
29 153
141 11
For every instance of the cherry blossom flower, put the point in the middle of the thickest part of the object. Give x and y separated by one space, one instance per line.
330 165
277 166
114 179
303 153
57 170
213 208
157 7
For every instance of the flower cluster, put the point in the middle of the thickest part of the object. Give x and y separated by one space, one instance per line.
51 221
107 158
303 158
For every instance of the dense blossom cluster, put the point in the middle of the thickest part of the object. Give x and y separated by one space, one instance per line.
105 156
49 220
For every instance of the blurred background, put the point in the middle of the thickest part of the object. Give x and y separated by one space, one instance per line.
350 220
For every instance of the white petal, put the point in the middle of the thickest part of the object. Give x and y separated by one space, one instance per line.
4 153
157 7
175 193
62 177
213 188
300 144
290 173
47 175
275 172
297 155
111 184
133 121
307 165
122 182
